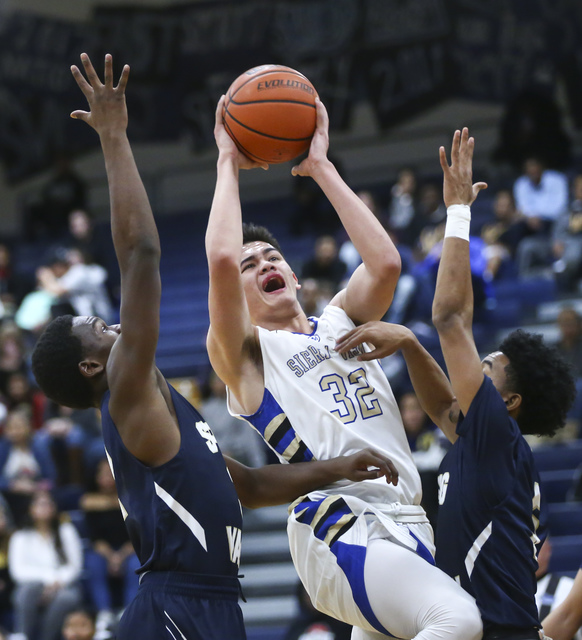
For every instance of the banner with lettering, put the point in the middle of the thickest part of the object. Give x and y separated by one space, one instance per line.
400 55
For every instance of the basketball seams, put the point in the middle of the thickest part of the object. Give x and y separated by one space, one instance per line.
265 135
271 100
264 73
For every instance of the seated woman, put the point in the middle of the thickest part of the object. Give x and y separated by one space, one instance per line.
45 559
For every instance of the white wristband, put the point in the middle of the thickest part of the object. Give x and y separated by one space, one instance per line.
458 221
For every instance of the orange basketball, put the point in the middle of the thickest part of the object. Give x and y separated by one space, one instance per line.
269 112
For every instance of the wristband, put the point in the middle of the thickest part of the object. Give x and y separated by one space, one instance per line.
458 221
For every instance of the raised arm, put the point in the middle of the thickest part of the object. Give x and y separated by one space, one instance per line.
136 401
431 385
230 324
282 483
371 288
452 310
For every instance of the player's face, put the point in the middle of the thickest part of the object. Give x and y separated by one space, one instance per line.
268 280
96 335
494 367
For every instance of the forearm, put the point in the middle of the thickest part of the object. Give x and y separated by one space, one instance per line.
365 231
431 385
281 483
562 625
132 222
453 299
224 232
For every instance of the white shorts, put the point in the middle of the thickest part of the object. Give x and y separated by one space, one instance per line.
329 541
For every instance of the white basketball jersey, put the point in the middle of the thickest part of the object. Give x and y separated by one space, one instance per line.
319 404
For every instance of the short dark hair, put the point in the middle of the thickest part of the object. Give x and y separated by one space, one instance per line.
55 365
256 233
544 380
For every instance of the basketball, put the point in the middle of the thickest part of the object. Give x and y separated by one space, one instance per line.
270 113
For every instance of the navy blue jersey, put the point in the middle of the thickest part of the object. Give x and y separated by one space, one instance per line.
488 528
183 515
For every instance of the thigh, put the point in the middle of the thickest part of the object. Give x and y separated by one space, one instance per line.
155 615
413 599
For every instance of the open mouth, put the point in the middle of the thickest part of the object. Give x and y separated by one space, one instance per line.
273 283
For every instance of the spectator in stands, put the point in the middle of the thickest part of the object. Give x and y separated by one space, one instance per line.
567 241
12 352
570 340
503 235
84 237
325 265
79 624
45 560
6 583
552 587
12 288
311 624
403 213
566 619
25 467
65 191
77 285
541 196
111 560
235 438
314 296
20 394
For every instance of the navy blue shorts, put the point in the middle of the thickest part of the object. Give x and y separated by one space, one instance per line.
183 606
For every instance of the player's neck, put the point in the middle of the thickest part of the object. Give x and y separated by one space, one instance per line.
296 323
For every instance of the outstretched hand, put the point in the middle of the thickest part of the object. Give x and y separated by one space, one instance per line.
386 339
458 187
368 464
107 103
319 143
226 144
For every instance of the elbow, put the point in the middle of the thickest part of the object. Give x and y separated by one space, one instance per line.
446 320
221 259
390 268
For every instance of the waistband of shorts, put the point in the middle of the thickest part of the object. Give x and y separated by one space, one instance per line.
191 584
498 632
402 512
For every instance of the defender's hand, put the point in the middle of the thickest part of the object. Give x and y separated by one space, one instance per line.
458 187
367 465
108 112
386 339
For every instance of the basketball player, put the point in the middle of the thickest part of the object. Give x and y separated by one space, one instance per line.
363 553
491 515
176 495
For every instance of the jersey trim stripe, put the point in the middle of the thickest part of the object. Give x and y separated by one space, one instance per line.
178 628
187 518
475 550
272 423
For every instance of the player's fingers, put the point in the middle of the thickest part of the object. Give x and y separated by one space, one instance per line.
219 110
384 466
123 79
108 73
90 71
322 121
464 145
443 160
351 339
80 80
80 115
455 147
478 186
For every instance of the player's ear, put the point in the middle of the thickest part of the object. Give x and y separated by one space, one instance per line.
90 368
297 285
513 402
